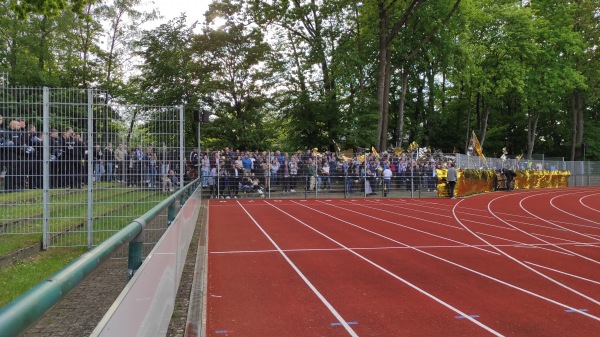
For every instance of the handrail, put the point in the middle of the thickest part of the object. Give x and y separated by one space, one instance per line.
18 315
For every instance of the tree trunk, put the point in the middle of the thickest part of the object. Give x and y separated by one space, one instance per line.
430 104
577 129
381 70
400 121
532 121
484 122
386 104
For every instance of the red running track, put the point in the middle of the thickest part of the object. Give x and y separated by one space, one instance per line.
524 263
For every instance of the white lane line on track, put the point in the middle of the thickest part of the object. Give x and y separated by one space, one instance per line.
411 228
523 264
586 205
571 214
565 306
550 222
337 315
402 206
421 219
308 250
431 296
562 272
521 244
555 238
488 225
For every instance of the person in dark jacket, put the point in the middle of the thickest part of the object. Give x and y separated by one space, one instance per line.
13 143
510 176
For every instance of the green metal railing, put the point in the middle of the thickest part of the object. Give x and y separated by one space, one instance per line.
18 315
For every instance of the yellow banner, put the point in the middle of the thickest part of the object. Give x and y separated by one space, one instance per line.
481 181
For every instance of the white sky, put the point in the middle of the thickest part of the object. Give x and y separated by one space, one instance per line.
170 9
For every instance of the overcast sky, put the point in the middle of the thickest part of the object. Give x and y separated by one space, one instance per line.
170 9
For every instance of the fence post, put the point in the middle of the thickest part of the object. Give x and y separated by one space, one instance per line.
46 168
90 168
171 214
182 153
136 250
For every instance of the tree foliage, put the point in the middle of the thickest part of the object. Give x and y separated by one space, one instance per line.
297 74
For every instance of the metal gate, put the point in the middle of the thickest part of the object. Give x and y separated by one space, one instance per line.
78 166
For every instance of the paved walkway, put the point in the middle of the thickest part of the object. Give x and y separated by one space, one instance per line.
80 311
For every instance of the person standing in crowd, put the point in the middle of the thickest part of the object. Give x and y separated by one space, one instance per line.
55 157
452 178
120 160
109 158
138 167
194 162
311 171
98 157
164 161
3 147
510 176
33 158
293 165
387 180
235 176
150 160
205 163
13 142
72 155
247 164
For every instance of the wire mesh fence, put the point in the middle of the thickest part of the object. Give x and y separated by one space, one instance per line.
234 174
77 167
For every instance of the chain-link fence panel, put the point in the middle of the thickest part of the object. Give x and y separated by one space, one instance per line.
77 168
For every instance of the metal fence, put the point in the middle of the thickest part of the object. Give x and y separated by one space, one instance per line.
583 173
77 167
225 175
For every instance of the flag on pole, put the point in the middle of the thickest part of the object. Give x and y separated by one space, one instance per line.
374 152
477 146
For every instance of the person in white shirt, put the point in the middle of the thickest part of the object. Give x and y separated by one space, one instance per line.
387 180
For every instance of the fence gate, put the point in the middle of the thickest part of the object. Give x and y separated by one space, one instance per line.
78 167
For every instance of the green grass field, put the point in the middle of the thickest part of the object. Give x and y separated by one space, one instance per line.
21 227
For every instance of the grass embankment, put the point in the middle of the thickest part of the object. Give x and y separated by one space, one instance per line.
22 212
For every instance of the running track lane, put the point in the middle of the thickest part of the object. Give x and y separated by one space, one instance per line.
250 293
439 283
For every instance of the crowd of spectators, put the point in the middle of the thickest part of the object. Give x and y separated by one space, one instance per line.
226 173
21 161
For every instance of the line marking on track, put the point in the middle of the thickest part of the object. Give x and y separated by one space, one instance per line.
405 226
521 263
408 216
302 276
223 332
456 264
406 282
521 244
584 204
562 272
571 214
461 317
550 222
577 310
339 324
300 250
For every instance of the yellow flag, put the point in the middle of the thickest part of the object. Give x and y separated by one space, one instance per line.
477 146
374 152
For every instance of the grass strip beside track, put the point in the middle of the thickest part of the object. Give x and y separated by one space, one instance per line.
14 213
69 217
23 275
